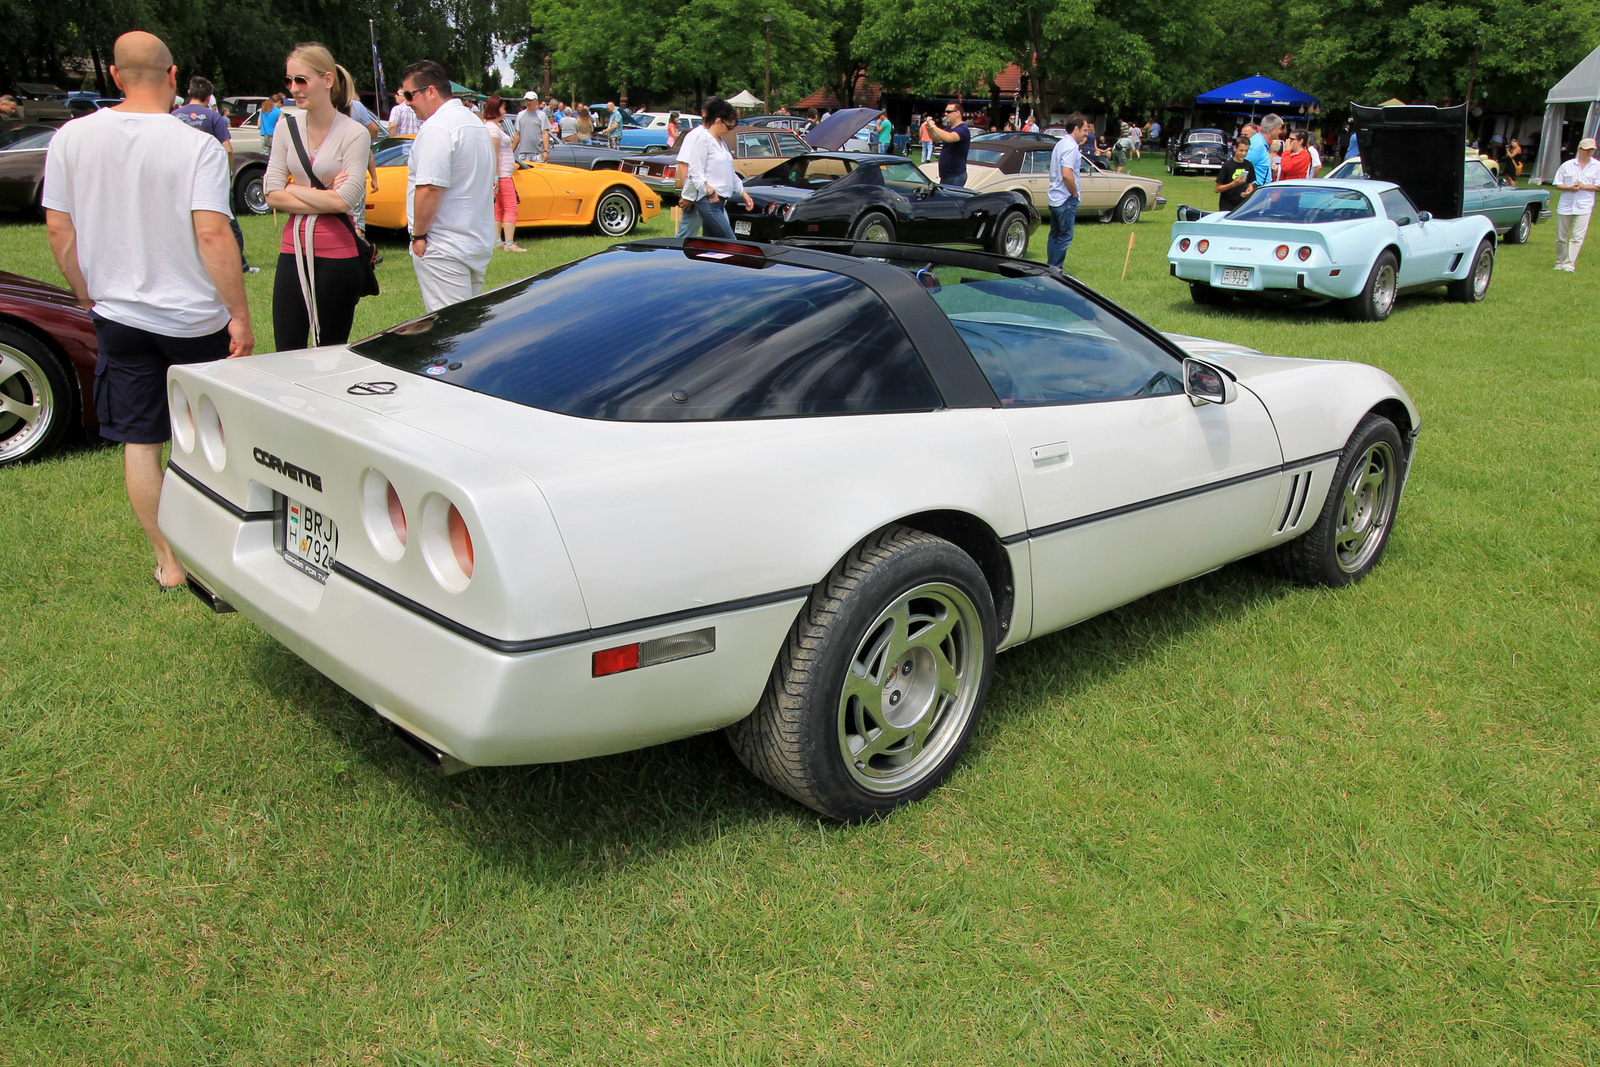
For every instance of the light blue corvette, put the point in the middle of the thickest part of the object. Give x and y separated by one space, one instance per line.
1312 241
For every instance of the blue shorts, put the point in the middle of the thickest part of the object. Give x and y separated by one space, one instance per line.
130 378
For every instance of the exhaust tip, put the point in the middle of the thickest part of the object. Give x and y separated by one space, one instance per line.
438 761
208 598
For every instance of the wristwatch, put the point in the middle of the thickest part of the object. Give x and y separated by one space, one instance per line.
418 237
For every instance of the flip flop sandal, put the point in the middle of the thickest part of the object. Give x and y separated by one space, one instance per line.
162 586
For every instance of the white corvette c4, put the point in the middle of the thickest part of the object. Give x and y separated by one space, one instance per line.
800 491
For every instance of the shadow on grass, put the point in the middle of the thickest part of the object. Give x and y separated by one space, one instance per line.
1293 314
568 822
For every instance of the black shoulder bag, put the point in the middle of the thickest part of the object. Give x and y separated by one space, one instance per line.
365 251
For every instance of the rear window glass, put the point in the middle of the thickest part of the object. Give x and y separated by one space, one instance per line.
989 157
700 339
1304 204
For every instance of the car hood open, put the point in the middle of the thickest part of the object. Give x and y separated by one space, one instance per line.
831 133
1419 148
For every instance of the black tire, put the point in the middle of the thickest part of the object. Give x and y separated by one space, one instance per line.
1208 296
1012 227
1357 510
1518 234
249 194
1128 208
812 736
1372 305
616 213
875 222
1475 286
33 378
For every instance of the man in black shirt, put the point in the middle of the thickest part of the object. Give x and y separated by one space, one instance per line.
1236 179
953 156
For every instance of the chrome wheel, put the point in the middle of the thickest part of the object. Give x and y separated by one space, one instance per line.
1014 237
1482 270
1519 232
1128 209
911 687
252 194
28 406
876 231
615 215
1383 288
1367 508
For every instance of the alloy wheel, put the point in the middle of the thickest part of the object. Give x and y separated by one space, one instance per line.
27 402
1016 237
1383 287
1367 508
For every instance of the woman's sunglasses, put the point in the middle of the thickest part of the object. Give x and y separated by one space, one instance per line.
296 81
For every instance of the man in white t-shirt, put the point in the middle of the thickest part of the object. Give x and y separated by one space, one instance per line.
1578 179
449 190
138 211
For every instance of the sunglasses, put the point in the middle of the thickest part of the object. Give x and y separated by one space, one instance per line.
296 81
407 94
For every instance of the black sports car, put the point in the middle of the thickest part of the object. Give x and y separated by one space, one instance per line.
1197 150
879 198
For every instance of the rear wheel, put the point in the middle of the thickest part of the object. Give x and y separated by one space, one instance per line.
36 402
1475 286
880 683
874 226
1128 207
1011 236
1518 234
1376 300
249 192
1207 296
616 214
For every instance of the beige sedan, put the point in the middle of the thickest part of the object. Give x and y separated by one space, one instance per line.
1023 164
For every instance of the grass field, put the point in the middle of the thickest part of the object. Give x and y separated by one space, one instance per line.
1235 822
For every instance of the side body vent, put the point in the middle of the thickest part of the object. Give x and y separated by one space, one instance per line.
1294 505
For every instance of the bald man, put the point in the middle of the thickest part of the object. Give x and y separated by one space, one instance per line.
138 210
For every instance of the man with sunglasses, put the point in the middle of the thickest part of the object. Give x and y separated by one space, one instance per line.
956 140
449 190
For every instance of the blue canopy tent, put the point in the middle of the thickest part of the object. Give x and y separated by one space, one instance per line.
1257 94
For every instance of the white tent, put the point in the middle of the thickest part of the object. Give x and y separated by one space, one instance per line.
744 99
1580 86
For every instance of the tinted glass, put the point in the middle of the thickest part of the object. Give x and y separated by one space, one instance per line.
1205 137
725 341
756 146
1304 204
1398 206
989 157
905 177
1478 176
25 137
1041 342
790 145
396 155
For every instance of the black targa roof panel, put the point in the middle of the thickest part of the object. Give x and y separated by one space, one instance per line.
1421 149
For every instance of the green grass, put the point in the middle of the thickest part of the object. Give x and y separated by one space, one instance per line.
1235 822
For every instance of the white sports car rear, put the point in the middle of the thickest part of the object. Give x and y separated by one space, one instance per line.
796 492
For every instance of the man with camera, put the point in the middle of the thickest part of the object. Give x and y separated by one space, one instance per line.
956 140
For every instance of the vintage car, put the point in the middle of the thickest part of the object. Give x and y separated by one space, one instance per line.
649 128
1312 241
793 123
1513 210
1197 151
1023 164
528 529
549 194
595 155
47 357
879 198
754 148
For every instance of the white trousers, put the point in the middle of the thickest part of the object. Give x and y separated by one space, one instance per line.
1570 232
445 281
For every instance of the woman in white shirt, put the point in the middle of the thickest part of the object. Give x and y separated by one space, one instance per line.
505 189
711 178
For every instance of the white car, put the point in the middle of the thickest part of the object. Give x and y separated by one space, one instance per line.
810 510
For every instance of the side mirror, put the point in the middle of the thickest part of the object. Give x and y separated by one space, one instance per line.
1424 216
1206 384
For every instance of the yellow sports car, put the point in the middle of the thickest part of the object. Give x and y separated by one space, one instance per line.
610 201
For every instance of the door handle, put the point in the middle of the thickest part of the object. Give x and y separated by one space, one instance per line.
1047 456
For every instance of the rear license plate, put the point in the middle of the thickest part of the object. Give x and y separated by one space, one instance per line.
1236 276
742 226
310 539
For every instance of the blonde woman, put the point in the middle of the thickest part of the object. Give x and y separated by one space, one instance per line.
505 189
319 275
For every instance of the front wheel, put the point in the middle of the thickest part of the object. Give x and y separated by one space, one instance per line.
874 226
1376 300
36 405
880 683
1475 286
1353 528
616 214
1011 236
1518 234
1128 208
250 194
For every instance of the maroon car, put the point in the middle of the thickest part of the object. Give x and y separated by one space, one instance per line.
47 357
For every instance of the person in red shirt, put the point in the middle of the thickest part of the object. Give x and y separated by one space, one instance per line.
1296 159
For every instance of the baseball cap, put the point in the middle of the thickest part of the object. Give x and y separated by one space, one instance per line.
530 95
1587 142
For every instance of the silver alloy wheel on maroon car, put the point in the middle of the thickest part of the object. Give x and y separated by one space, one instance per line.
616 214
34 398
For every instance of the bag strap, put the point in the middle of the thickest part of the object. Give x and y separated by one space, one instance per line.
305 161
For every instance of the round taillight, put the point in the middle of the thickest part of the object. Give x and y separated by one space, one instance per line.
211 439
1304 253
460 541
383 515
446 543
1183 245
1202 246
182 417
1282 252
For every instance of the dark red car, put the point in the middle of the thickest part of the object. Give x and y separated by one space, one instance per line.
47 357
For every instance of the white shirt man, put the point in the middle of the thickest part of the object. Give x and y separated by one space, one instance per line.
1066 163
1578 179
449 192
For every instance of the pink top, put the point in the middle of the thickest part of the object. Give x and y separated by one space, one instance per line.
344 148
332 241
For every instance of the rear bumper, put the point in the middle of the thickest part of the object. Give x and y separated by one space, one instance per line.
1312 279
476 703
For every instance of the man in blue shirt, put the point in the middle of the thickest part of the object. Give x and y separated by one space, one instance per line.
197 114
1065 160
956 140
1260 156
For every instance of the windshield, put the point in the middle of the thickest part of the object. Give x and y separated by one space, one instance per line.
1304 204
396 153
728 341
